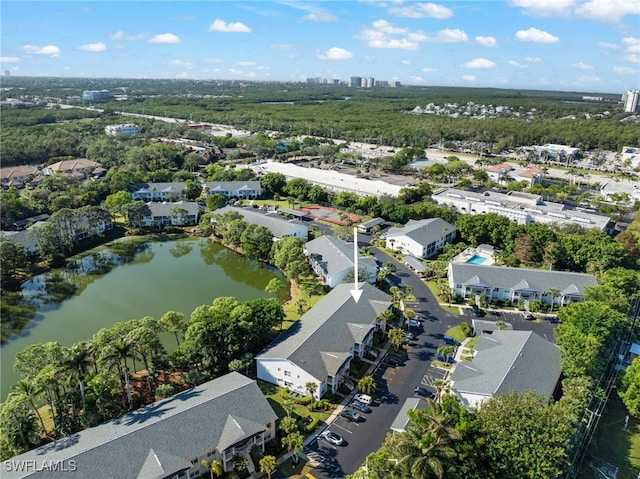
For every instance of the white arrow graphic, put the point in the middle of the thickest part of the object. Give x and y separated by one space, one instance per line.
355 292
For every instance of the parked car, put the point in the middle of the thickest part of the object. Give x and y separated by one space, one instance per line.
360 406
476 311
331 437
408 337
446 359
363 398
420 391
451 340
393 360
350 414
415 323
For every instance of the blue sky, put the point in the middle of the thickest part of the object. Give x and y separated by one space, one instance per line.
580 45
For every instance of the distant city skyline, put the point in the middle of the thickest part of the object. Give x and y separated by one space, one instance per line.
588 45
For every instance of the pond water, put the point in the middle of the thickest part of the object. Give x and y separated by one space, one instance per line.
130 279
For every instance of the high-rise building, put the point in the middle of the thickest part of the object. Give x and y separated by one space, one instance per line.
355 82
368 82
631 100
95 95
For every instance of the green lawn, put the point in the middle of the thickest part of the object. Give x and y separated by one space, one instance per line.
615 444
274 395
311 290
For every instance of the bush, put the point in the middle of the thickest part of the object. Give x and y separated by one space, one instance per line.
312 425
466 329
304 400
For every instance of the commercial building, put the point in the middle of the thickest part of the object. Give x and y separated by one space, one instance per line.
96 95
522 208
128 129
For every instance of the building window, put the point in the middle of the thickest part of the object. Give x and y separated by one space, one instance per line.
287 373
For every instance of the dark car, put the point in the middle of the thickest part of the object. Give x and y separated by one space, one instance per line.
360 407
420 391
451 340
476 311
393 360
350 414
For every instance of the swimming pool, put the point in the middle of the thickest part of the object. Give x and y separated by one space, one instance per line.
476 259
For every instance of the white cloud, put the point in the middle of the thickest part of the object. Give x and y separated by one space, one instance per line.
487 41
608 10
384 26
232 27
632 43
9 59
246 64
429 70
582 66
315 14
165 38
544 7
469 78
517 64
625 70
181 63
52 50
533 60
212 60
393 43
480 63
335 53
416 80
633 58
406 62
451 36
421 10
536 36
121 35
93 47
608 46
282 46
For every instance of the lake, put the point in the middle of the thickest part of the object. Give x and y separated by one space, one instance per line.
130 279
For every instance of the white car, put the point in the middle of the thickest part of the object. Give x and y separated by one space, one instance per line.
331 437
364 399
415 323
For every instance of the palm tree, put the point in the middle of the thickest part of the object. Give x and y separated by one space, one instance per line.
311 388
268 465
30 391
397 337
425 448
554 292
77 359
294 443
367 385
214 467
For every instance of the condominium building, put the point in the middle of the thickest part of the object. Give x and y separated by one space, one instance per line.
95 95
122 129
631 100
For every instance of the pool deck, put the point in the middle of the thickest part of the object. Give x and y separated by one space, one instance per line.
469 253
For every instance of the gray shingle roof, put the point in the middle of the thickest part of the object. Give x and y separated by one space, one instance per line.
334 255
177 186
424 232
214 186
164 209
163 437
319 343
279 226
402 421
414 263
509 361
520 278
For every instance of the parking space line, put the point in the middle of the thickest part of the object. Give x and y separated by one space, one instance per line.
342 427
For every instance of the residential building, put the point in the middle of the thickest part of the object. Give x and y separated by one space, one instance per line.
171 191
484 326
422 238
512 284
523 208
17 176
355 82
507 362
128 129
79 167
280 227
498 172
631 100
325 340
329 179
234 189
332 259
179 213
96 95
402 421
28 238
168 439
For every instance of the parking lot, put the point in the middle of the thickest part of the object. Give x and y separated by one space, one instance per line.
543 325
